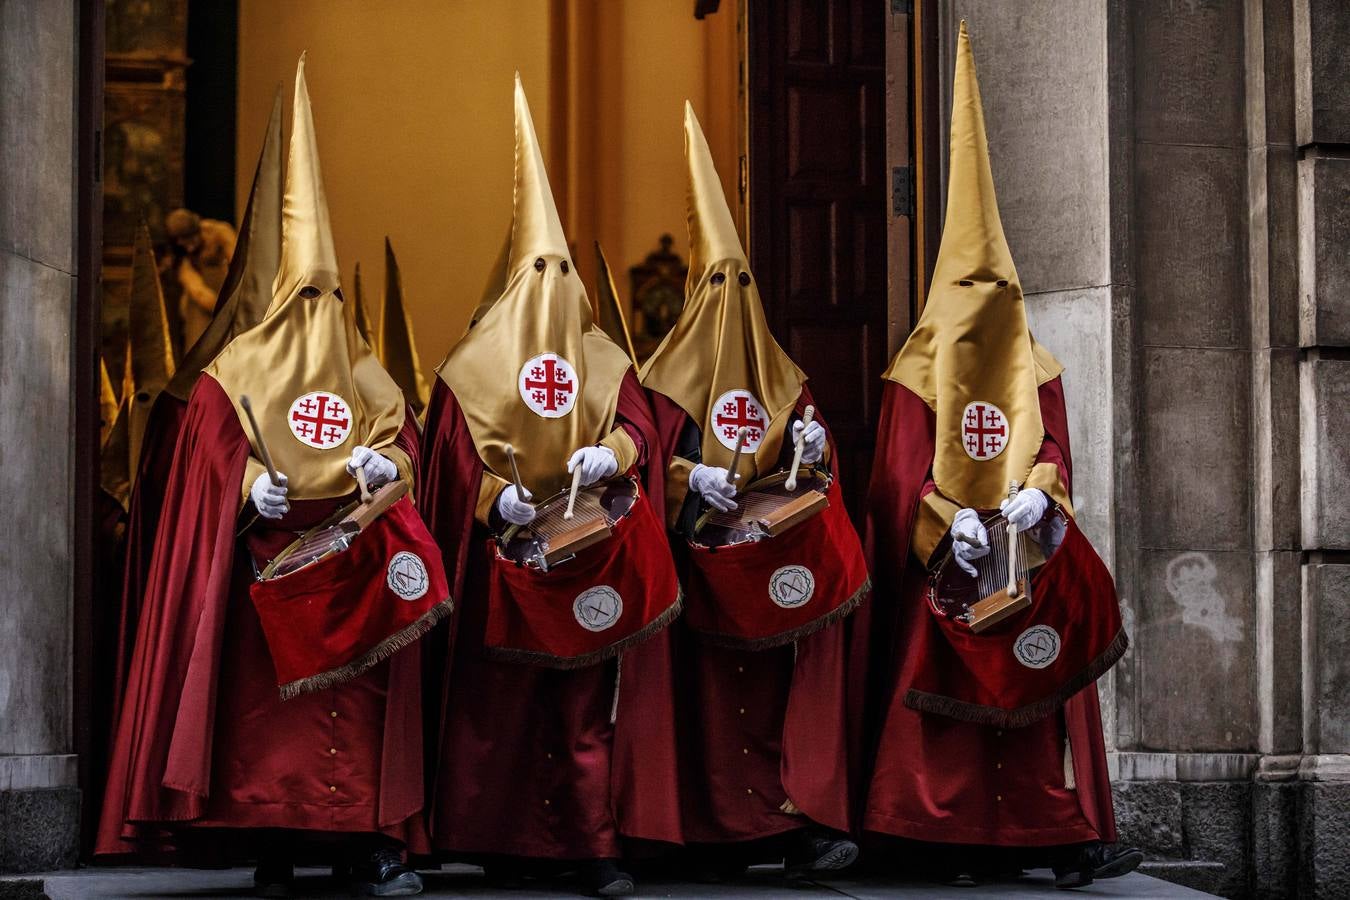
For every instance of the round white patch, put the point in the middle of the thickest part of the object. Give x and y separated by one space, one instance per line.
1037 647
734 410
791 586
407 576
597 608
548 385
320 420
984 430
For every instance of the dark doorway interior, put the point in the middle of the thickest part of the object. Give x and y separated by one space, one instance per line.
212 79
818 205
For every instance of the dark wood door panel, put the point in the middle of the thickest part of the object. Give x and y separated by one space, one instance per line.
818 204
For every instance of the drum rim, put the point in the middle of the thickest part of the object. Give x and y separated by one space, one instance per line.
935 571
814 472
498 540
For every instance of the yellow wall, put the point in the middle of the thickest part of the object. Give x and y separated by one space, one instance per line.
412 101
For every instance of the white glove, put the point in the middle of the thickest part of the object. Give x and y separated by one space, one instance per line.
1025 509
268 498
514 509
597 464
711 482
815 441
967 522
380 469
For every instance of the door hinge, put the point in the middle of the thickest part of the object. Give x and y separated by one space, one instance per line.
902 191
902 7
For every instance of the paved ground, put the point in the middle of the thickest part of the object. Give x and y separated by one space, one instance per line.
762 882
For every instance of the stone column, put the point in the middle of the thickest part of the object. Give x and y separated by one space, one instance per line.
39 799
1321 78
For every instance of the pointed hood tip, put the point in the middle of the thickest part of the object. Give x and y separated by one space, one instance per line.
308 254
712 232
536 228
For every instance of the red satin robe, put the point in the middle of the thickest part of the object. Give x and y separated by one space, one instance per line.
760 728
937 779
528 762
203 739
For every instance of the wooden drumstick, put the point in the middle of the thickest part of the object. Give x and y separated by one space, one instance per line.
807 415
572 497
258 439
741 437
1012 546
361 483
515 473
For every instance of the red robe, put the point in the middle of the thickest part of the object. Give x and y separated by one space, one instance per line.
202 739
147 500
528 762
937 779
760 727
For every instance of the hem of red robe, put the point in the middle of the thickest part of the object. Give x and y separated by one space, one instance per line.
606 848
347 819
696 836
931 832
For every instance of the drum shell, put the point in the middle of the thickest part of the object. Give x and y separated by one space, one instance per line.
332 620
744 594
533 615
1024 668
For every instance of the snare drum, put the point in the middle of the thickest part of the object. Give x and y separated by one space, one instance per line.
552 539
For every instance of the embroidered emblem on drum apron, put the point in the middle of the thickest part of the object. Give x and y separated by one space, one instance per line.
407 575
1037 647
984 430
320 420
597 608
791 586
734 410
548 385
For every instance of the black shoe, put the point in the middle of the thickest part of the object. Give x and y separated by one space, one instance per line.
960 878
273 878
1097 861
604 879
383 874
820 851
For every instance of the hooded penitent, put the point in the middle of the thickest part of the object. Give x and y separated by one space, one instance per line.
150 360
247 291
316 386
537 343
971 358
720 363
612 318
397 349
992 738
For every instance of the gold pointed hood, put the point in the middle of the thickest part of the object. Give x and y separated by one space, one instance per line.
720 362
397 348
150 362
247 290
612 318
361 313
495 284
972 358
535 372
107 402
316 386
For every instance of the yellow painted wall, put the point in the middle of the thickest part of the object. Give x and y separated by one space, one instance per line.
412 101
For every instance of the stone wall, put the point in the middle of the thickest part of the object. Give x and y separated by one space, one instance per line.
39 801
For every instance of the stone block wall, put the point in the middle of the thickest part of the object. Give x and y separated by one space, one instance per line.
39 799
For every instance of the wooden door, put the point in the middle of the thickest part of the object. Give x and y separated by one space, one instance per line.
820 203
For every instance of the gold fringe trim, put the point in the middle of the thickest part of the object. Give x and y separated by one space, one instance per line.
377 654
1024 715
552 661
793 634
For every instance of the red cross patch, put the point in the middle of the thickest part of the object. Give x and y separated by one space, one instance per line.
320 420
984 430
548 385
733 410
